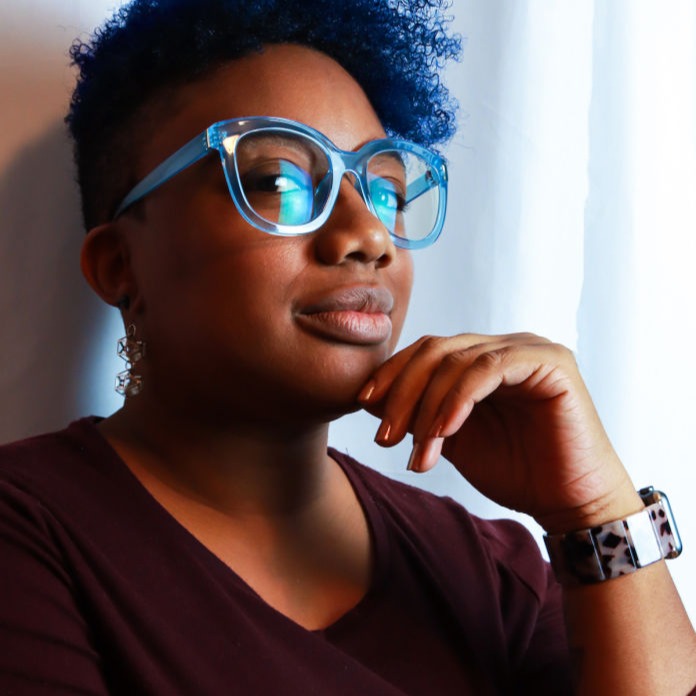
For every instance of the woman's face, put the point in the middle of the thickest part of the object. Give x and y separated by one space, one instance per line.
242 323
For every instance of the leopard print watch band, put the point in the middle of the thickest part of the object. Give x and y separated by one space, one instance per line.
616 548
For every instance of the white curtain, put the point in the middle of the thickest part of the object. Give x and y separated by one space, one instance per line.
578 160
573 214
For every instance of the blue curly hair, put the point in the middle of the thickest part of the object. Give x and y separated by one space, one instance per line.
393 48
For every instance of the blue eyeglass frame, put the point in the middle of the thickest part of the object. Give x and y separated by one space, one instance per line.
223 136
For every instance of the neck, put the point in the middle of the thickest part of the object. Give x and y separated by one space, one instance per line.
267 469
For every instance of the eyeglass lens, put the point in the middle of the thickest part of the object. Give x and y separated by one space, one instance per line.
286 179
403 192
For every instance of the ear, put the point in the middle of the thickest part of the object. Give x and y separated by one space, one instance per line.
106 264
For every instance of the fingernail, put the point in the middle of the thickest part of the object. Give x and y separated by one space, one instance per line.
424 455
383 432
367 391
413 459
431 453
437 428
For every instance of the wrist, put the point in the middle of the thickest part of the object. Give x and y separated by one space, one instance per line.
618 547
620 502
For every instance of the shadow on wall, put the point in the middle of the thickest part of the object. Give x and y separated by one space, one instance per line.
48 314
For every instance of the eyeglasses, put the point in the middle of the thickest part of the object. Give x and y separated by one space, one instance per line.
284 178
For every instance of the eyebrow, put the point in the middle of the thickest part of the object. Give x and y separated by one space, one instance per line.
254 141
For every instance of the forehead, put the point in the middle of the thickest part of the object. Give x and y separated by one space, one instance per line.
289 81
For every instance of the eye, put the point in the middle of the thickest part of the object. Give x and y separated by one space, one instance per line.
387 200
280 191
276 177
385 194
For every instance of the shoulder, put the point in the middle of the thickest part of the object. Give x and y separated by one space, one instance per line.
54 470
38 452
42 456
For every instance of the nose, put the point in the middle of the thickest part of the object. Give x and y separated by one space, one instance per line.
353 233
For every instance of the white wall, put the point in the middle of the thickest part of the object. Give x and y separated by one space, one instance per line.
476 278
51 366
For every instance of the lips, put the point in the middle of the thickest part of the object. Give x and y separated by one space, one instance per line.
358 315
363 298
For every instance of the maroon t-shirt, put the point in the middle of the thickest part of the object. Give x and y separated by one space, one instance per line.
104 592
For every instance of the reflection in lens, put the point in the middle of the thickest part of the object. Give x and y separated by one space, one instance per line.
385 200
296 194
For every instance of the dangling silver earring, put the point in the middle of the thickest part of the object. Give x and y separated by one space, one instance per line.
131 350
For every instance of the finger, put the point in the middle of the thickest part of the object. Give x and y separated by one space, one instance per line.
380 381
401 386
446 382
425 455
409 386
526 367
444 379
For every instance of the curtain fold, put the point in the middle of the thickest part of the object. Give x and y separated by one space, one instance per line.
636 321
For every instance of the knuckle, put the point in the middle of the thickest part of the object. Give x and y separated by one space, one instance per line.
492 359
431 344
563 352
535 339
454 359
528 338
425 338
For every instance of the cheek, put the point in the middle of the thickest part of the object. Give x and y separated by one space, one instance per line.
190 250
218 281
402 284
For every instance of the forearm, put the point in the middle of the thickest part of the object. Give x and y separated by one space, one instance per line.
631 636
514 417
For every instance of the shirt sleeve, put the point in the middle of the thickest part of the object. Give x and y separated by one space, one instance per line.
497 587
546 665
45 647
532 611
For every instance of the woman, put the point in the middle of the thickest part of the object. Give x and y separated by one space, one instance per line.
202 539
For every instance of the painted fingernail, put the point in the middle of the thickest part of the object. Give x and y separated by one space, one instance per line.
383 432
367 391
437 428
425 455
431 453
413 460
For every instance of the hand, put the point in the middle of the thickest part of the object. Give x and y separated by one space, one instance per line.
514 417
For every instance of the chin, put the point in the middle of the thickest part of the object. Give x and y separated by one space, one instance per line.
330 401
329 393
315 390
